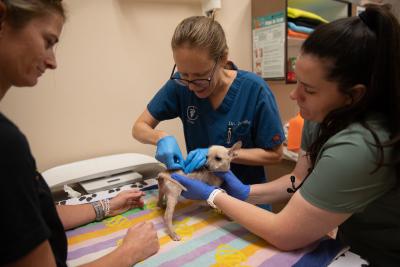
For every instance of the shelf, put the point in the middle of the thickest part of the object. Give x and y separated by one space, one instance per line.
329 10
266 23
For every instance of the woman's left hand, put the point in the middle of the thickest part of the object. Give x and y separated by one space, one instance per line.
196 189
126 200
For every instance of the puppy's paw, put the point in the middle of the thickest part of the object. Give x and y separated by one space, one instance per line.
174 236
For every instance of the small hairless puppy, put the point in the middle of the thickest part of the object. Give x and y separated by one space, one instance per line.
218 160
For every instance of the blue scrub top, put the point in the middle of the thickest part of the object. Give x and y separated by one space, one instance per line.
248 113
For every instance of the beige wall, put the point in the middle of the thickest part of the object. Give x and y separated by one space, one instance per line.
113 57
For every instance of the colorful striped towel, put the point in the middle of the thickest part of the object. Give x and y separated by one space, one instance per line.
208 239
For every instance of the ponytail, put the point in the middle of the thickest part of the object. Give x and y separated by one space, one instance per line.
362 50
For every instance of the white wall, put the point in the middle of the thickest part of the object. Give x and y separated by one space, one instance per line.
113 57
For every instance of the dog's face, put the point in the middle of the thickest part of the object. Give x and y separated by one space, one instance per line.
219 157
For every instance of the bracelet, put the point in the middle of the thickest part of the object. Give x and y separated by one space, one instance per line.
213 194
98 209
106 207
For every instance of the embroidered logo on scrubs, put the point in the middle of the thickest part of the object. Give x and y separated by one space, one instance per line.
192 113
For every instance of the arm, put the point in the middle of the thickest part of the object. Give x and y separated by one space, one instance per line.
144 129
140 242
301 222
73 216
259 156
275 191
168 151
296 226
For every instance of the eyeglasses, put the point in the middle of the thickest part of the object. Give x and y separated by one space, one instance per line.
201 83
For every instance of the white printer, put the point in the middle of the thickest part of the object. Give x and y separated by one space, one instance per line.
102 173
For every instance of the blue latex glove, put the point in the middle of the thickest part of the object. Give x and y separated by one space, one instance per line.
196 159
233 186
196 189
168 152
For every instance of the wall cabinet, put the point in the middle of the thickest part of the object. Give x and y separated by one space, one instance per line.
274 48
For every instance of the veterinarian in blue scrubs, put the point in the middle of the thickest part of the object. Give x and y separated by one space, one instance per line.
217 104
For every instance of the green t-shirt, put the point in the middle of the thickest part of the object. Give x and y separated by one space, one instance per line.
342 182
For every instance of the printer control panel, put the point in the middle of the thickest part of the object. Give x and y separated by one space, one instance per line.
143 185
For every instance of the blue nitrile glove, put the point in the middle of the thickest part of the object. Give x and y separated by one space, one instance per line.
168 152
196 159
233 186
196 189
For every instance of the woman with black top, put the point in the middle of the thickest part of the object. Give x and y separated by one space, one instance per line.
32 227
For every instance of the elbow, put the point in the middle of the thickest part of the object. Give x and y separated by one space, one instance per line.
276 157
279 158
289 245
135 131
285 245
278 154
288 242
284 239
282 243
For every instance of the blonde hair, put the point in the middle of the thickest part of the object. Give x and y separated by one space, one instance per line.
20 12
201 32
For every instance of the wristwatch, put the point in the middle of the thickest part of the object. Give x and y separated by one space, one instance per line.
215 192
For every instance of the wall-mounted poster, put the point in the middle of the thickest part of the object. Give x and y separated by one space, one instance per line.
269 46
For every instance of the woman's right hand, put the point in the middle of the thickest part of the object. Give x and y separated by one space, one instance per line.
140 242
169 153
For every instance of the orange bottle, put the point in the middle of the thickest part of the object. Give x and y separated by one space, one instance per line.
294 133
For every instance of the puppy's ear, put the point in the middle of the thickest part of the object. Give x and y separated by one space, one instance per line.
233 150
237 145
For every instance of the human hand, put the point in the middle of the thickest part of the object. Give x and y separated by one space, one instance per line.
196 189
126 200
196 159
233 186
140 242
168 152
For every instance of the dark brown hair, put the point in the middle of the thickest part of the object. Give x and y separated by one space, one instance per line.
361 50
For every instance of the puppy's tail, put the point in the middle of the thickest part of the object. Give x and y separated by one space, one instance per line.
167 177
